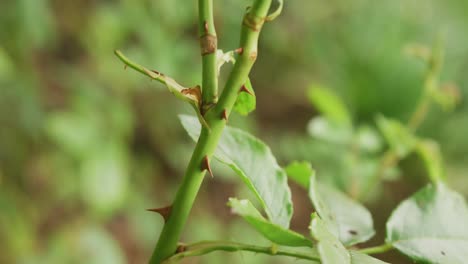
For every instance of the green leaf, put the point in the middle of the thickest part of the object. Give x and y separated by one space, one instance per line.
328 130
104 179
253 161
300 172
245 102
6 65
273 232
431 226
346 219
329 104
329 247
430 154
360 258
369 139
74 242
398 137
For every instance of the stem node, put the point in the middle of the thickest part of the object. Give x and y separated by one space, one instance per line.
253 22
208 44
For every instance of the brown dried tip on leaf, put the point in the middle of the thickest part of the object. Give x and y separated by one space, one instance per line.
164 211
194 92
224 115
206 166
239 50
244 89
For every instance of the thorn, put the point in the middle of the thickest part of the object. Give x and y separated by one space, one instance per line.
239 50
180 248
206 27
224 115
163 211
244 89
125 66
206 166
158 73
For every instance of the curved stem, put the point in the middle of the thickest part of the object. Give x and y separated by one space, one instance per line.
277 11
431 82
155 75
206 247
377 250
216 119
208 45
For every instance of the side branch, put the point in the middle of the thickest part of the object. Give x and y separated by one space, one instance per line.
206 247
377 250
275 13
251 26
154 75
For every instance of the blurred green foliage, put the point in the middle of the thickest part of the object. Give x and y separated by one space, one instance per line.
85 146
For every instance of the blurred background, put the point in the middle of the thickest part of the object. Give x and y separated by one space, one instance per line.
86 147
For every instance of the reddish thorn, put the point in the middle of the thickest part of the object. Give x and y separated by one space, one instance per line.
163 211
224 115
206 166
244 89
239 50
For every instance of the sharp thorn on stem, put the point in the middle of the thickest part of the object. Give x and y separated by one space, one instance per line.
244 89
163 211
239 50
206 166
224 115
125 66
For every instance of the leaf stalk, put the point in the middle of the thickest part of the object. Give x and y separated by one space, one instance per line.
206 247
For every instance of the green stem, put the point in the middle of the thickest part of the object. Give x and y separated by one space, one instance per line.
431 82
251 26
208 45
155 75
377 250
187 192
206 247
